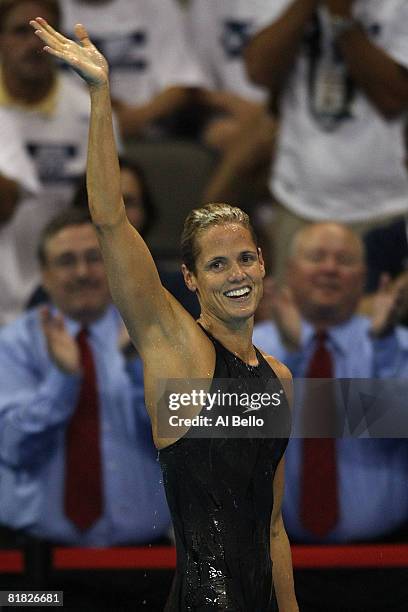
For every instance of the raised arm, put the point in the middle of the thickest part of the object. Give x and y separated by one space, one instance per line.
133 277
270 54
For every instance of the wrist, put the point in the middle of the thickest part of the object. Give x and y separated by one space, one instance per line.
97 89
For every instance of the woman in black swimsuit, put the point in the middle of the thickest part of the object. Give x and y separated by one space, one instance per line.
224 492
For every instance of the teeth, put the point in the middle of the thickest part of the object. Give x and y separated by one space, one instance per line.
237 292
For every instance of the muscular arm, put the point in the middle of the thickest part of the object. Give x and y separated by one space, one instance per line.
134 281
271 52
383 80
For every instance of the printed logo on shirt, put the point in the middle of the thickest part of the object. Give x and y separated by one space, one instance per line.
52 160
235 36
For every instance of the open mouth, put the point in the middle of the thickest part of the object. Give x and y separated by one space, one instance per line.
238 294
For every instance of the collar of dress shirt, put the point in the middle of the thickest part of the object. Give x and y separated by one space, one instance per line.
341 336
101 328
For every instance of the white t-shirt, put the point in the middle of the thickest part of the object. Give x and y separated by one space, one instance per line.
338 158
15 164
219 30
144 42
57 145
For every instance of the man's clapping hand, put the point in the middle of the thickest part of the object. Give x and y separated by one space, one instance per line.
389 304
62 347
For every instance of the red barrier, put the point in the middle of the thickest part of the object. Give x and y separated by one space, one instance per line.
164 557
157 557
370 555
11 561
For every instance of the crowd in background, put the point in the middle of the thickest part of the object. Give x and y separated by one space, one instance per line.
293 109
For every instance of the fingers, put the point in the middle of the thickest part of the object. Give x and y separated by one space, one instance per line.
82 35
46 32
56 44
60 54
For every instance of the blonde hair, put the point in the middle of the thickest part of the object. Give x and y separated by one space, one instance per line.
200 219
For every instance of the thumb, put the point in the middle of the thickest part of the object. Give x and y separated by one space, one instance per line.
82 34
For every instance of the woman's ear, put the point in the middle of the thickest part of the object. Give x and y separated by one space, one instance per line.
189 278
261 261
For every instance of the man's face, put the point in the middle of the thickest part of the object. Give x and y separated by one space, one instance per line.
326 273
21 51
229 272
74 273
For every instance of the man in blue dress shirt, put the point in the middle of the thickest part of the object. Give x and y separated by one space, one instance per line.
41 377
325 278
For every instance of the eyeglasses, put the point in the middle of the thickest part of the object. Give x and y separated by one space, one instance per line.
69 261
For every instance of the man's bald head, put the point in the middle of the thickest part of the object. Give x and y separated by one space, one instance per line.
308 232
326 272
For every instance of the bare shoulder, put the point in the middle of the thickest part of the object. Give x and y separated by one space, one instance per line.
283 373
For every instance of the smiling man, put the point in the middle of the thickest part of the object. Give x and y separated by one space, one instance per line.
77 463
340 490
326 273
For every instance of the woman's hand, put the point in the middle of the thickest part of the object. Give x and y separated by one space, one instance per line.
83 57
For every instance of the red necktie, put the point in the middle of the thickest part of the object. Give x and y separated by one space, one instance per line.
319 508
83 474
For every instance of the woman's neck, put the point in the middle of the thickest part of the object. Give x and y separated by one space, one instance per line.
236 337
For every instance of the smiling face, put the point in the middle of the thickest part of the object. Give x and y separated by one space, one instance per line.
326 272
74 273
229 272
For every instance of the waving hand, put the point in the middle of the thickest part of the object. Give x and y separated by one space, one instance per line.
82 56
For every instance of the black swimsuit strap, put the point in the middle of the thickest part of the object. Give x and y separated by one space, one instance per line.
262 362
